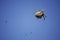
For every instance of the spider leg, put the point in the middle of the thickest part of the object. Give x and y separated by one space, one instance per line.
44 17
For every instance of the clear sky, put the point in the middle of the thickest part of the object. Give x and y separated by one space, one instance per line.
17 20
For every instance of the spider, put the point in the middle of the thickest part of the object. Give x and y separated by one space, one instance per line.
39 14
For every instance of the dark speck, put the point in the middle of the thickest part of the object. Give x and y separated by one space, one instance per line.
31 32
6 21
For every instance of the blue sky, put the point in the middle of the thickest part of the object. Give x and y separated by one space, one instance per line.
17 20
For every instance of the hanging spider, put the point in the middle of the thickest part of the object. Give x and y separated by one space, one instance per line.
39 14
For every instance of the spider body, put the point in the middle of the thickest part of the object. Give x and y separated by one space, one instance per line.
40 14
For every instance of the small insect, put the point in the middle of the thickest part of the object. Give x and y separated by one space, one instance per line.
39 14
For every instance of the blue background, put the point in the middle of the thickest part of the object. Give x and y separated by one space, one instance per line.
17 20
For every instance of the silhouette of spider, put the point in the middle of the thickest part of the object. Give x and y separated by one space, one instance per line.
39 14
